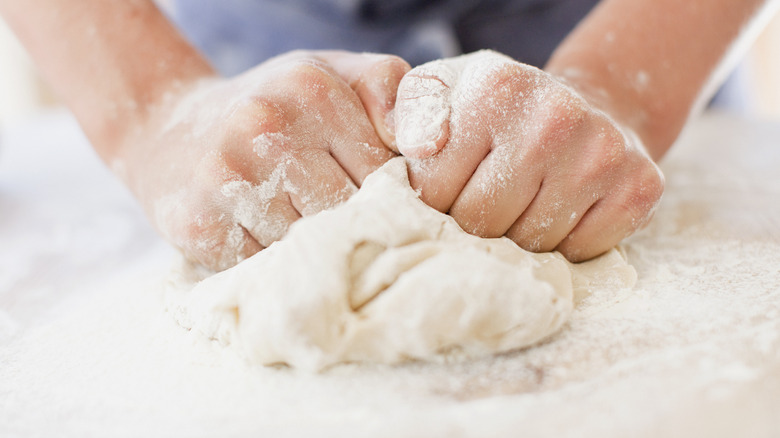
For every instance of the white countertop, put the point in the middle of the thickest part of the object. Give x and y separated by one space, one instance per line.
87 349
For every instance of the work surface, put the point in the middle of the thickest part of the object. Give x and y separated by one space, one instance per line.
87 349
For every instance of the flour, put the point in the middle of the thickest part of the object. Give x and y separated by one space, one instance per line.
692 350
423 111
426 96
385 278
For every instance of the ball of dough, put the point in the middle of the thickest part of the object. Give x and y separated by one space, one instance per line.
382 278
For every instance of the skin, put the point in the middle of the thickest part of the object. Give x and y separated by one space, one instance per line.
564 158
222 166
561 158
228 165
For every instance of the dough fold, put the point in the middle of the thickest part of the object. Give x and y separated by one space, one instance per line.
385 278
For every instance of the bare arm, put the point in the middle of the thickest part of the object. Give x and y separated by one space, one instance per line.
564 159
652 63
109 60
222 166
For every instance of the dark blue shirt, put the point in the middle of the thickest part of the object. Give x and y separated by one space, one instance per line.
238 34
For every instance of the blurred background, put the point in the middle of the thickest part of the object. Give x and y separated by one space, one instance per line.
753 90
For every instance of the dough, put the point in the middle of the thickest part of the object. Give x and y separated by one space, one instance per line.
385 278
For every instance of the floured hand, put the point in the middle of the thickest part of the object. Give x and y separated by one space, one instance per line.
508 149
224 168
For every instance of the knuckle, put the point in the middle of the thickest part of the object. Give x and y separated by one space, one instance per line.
564 120
393 65
254 116
559 127
500 74
496 82
218 168
258 129
382 79
607 152
310 77
265 115
571 112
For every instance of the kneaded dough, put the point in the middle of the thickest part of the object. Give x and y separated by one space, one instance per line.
385 278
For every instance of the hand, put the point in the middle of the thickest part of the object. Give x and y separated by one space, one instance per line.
508 149
225 167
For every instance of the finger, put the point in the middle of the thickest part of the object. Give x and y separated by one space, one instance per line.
423 108
219 245
498 193
600 229
356 147
317 182
551 216
268 220
441 178
430 95
375 79
617 216
334 119
489 93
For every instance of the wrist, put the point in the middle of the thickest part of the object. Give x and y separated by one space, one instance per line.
130 141
115 121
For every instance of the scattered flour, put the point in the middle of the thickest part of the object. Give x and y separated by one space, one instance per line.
87 349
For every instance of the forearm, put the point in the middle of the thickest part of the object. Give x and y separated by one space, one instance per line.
651 62
109 60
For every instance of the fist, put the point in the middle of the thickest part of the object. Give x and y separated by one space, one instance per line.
509 150
226 166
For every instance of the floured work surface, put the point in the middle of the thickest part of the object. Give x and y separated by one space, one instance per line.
86 348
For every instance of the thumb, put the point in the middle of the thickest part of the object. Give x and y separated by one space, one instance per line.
423 106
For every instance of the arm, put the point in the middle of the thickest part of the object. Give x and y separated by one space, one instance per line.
651 64
563 159
109 60
222 166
